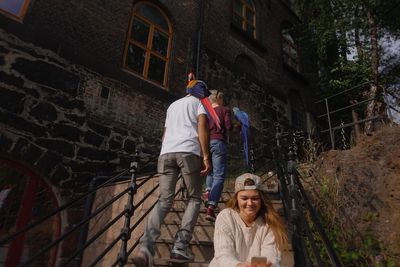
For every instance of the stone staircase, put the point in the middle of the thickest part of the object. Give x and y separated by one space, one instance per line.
201 244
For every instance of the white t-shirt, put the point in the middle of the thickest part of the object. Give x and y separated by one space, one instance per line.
234 242
181 132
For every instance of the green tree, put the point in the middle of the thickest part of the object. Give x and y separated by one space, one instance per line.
339 28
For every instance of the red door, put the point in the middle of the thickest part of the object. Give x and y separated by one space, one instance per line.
24 198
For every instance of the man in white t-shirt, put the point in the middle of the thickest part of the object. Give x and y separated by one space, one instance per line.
185 149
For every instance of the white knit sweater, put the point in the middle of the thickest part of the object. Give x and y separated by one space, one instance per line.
234 242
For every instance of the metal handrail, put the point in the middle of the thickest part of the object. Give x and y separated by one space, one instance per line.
75 227
332 128
346 107
350 124
342 92
294 198
108 225
57 211
104 181
315 219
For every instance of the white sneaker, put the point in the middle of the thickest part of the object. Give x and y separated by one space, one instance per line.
180 254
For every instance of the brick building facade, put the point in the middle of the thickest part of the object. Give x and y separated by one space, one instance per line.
83 84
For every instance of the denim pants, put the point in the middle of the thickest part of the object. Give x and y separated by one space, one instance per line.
169 166
215 179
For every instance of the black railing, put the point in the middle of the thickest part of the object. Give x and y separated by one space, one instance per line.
97 183
298 208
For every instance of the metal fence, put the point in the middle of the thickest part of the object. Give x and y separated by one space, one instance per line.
81 227
338 118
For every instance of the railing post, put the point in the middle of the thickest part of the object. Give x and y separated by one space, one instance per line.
387 106
129 210
329 123
277 154
85 229
300 251
252 159
292 186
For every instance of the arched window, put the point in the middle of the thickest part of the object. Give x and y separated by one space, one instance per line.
149 43
14 8
290 50
244 16
25 198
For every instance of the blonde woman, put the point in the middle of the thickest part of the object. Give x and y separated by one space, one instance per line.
249 227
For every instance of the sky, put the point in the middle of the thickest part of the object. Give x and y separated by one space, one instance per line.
391 48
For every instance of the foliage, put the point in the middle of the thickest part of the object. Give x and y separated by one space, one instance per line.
348 39
353 247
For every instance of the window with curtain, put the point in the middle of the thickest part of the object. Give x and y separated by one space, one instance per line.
149 43
290 50
14 8
244 16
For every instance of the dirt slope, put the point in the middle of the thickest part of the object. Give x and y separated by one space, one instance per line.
366 187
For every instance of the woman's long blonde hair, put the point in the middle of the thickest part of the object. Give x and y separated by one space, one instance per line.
270 216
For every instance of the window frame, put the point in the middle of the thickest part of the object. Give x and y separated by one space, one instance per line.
20 17
244 21
148 48
291 44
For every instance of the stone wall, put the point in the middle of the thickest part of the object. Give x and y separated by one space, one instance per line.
55 120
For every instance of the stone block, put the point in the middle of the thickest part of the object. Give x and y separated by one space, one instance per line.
11 100
32 153
9 79
5 143
129 146
96 154
77 119
67 103
67 132
44 112
93 138
92 167
21 124
121 131
51 75
60 146
98 128
115 143
61 173
48 161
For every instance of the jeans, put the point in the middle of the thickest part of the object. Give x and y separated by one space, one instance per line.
169 166
215 179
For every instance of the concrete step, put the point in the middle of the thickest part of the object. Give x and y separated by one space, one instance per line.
166 262
203 250
203 232
175 217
